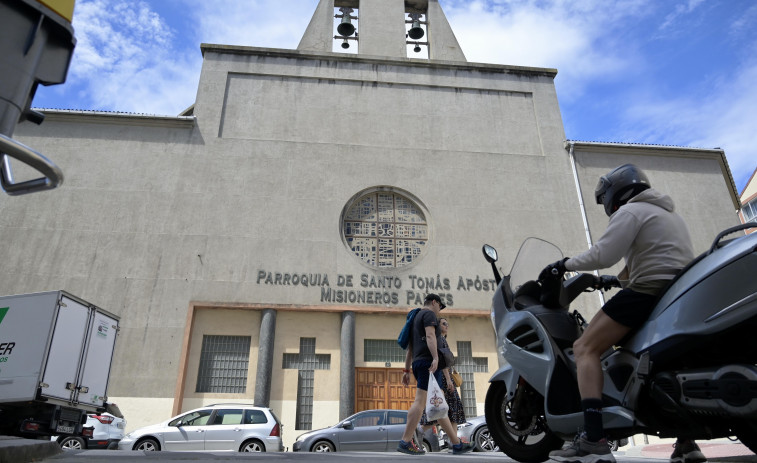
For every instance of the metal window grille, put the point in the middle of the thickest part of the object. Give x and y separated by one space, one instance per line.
385 229
467 365
304 416
382 350
224 362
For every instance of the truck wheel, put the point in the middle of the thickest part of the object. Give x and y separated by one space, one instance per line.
521 433
72 443
148 445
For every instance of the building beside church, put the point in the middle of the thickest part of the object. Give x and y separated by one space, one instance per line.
748 197
265 245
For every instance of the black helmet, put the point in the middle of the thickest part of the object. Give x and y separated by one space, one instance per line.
620 185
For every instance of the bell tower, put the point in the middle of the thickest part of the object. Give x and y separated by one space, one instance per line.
383 28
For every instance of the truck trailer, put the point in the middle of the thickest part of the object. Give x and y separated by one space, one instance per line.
55 359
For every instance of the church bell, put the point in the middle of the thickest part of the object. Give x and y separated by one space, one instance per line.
416 31
346 29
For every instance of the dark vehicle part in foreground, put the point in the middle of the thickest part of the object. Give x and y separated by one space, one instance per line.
689 371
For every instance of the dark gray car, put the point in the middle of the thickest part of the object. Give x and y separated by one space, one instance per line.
369 430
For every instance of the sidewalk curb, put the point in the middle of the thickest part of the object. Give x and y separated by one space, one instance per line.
19 450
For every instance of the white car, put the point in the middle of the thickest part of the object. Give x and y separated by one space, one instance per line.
214 428
108 431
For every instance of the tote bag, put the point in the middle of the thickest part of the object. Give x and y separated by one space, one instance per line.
436 406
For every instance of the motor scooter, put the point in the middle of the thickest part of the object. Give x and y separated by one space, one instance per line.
689 371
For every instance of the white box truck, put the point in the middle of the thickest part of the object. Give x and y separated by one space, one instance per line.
55 358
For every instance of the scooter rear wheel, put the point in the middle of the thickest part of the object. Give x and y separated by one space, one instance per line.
747 434
520 436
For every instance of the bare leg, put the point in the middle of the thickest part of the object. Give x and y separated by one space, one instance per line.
414 414
603 332
450 430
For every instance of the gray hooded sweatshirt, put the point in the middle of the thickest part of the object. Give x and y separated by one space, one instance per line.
649 235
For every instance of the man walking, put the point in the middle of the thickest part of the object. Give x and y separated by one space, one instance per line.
423 354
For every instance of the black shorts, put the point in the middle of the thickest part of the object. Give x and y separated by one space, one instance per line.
630 308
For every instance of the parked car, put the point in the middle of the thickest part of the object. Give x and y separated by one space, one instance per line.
428 439
108 430
476 432
216 428
615 444
369 430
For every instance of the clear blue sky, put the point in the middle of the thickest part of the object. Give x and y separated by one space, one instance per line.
671 72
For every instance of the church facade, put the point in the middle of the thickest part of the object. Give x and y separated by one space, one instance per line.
266 245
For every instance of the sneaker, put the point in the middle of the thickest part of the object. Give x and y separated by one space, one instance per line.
687 451
462 447
409 448
584 451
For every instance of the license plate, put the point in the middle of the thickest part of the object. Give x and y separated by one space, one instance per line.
65 429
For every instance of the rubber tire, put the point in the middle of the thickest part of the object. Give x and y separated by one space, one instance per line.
72 443
479 435
323 446
747 434
427 446
614 444
252 444
529 453
151 444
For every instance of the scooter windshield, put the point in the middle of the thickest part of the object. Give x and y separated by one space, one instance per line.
533 256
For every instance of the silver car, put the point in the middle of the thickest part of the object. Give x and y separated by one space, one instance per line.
370 430
477 433
215 428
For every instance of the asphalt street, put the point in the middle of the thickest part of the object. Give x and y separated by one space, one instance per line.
111 456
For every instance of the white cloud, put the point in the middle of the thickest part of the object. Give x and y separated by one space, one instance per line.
582 39
257 23
127 59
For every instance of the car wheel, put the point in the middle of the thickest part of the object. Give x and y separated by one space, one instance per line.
483 441
614 445
147 445
427 446
72 443
252 445
323 446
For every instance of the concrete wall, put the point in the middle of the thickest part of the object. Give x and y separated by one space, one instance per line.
694 179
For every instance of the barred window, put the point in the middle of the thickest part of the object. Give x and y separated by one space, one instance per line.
224 361
467 365
385 229
382 350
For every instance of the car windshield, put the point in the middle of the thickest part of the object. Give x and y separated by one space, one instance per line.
196 418
533 256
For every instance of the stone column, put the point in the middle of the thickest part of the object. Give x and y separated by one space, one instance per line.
347 366
265 358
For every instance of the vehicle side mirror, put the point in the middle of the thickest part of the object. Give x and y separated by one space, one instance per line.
490 254
348 425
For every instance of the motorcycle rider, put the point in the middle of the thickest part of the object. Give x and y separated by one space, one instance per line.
645 230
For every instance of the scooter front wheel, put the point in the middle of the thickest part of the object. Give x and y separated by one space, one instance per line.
521 431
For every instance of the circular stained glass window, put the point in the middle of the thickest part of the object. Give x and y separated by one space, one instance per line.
385 229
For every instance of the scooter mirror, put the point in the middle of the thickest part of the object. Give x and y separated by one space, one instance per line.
490 254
